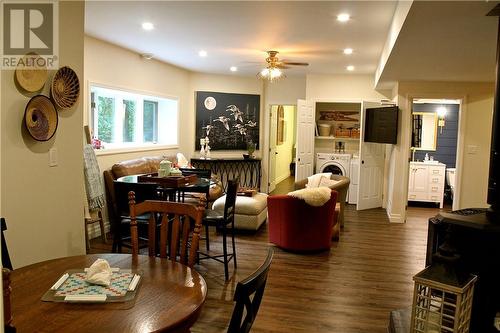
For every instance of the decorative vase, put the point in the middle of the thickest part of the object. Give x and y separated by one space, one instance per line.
250 148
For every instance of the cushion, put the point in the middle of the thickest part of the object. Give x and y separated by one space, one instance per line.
253 205
313 181
327 182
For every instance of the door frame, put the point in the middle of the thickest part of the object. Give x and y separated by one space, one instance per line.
267 134
462 115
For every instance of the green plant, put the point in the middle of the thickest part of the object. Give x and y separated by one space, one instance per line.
251 147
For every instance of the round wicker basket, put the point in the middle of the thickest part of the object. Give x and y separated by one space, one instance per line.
31 72
40 118
65 88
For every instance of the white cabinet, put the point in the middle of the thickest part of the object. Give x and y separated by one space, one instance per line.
426 182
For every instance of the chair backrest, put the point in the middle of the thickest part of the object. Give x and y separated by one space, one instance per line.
201 173
230 204
178 221
252 285
142 191
7 310
5 252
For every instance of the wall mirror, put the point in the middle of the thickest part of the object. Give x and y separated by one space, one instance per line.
424 130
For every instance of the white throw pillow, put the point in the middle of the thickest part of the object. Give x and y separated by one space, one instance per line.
327 182
313 181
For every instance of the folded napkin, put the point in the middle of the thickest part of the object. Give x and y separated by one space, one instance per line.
99 273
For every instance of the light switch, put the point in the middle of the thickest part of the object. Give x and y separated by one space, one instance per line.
53 157
471 149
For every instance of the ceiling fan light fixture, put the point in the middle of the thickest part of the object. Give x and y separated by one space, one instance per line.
275 73
271 74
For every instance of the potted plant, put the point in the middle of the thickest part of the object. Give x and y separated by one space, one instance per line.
250 149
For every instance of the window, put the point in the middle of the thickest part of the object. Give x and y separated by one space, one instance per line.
123 119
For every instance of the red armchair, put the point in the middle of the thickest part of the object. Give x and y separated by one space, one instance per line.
296 226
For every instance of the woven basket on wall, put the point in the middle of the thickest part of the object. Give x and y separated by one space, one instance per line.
31 73
65 88
40 118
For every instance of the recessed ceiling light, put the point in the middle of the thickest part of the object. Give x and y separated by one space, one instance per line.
148 26
348 51
147 56
233 69
350 68
343 17
202 53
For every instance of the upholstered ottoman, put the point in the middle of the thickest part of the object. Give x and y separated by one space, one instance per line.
250 212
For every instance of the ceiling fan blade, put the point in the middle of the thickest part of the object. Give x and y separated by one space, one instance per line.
282 66
291 63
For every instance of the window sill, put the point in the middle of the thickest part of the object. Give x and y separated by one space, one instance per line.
126 150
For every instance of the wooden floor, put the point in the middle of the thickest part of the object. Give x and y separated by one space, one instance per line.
351 288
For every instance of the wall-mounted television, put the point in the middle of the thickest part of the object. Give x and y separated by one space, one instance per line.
381 125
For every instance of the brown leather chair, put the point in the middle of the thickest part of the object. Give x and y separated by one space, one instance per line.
341 187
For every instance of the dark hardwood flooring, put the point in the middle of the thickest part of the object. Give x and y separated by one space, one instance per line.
351 288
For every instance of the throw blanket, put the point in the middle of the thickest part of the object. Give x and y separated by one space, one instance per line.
314 180
316 197
93 180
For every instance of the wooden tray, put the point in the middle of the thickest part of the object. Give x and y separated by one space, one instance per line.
170 181
246 192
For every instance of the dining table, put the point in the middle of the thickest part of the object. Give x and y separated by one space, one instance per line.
171 192
169 298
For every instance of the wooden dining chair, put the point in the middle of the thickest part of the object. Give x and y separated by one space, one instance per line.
252 285
180 226
5 252
7 303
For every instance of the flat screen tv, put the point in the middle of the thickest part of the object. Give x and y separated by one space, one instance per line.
381 125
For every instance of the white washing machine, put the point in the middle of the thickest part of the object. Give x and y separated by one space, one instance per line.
338 164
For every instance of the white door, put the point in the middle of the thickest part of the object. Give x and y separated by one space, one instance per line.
272 148
304 161
371 168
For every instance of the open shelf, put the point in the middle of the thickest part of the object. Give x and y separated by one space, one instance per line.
336 138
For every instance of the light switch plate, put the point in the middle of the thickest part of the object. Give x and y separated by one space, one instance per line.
53 157
471 149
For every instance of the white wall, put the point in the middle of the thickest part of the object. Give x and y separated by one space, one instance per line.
286 91
285 150
42 204
476 131
343 88
113 66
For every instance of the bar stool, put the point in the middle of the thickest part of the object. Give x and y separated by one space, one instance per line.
221 221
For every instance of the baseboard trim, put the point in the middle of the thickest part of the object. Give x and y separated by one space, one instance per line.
282 178
395 218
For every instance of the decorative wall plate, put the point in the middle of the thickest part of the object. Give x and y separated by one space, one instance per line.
40 118
65 88
31 73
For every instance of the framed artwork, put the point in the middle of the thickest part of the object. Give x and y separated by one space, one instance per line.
228 120
280 134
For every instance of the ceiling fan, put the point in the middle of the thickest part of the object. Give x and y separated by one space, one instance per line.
273 69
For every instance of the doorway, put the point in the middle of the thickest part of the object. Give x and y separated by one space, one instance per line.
433 181
282 128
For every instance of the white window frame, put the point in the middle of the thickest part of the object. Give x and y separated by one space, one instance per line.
132 147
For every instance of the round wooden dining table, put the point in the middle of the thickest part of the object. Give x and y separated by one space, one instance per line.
169 299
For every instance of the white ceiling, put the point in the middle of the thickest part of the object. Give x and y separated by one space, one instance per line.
445 41
238 32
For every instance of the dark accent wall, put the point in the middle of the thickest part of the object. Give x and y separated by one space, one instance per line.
446 147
